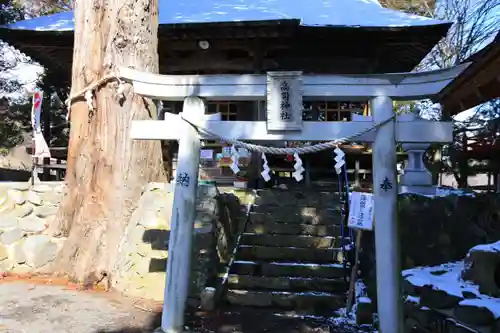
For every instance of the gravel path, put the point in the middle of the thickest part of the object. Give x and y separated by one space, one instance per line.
27 307
42 308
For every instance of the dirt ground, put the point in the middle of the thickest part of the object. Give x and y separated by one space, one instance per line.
43 306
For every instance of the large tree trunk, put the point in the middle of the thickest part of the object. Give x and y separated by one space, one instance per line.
107 170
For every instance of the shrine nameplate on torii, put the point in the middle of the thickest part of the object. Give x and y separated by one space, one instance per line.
284 92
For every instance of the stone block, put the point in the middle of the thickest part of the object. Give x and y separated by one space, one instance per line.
472 312
409 288
274 228
6 206
295 301
207 205
437 299
329 200
46 211
328 216
5 267
42 188
32 224
243 297
266 197
290 254
482 267
39 250
364 311
291 241
16 196
307 198
52 198
207 299
34 198
496 327
286 283
8 222
21 269
3 253
16 253
306 270
11 236
20 186
22 211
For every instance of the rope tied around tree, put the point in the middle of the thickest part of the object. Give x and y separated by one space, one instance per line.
87 93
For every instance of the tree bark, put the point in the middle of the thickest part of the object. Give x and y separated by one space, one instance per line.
107 170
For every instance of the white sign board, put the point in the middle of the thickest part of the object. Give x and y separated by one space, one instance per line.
361 211
207 154
284 101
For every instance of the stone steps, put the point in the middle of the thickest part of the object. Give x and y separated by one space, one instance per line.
267 253
287 269
331 217
300 241
280 283
274 228
290 254
311 301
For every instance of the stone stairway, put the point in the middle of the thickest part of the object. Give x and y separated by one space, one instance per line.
289 257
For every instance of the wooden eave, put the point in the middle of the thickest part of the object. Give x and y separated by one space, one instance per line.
478 84
256 47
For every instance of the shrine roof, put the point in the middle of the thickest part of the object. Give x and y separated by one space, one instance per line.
477 84
321 13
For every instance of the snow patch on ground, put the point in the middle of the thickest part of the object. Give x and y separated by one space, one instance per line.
447 277
444 277
492 247
441 192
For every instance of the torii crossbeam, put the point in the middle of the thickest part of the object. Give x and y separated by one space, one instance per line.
284 92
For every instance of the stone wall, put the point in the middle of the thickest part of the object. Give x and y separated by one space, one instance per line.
144 249
437 230
461 296
25 212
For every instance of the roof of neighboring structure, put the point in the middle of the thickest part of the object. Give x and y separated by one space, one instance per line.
477 84
351 13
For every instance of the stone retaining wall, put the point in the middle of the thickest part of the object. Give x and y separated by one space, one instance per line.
25 213
144 249
437 230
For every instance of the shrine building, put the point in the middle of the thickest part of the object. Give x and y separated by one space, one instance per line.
255 37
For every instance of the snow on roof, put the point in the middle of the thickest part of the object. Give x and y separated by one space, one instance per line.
352 13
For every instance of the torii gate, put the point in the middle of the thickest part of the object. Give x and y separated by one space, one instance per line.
284 123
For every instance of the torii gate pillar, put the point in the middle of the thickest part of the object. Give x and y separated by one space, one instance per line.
182 221
387 245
